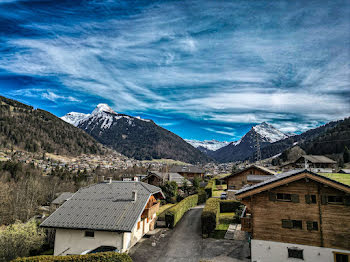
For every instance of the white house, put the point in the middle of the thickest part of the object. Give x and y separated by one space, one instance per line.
114 214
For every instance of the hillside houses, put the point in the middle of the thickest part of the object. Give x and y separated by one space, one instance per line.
316 163
115 214
189 172
297 215
160 178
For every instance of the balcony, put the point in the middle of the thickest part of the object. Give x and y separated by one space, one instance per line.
150 211
246 221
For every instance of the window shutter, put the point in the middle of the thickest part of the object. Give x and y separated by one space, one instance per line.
324 200
295 198
286 223
347 200
307 199
272 196
309 225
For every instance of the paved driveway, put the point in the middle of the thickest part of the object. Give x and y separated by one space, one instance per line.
185 243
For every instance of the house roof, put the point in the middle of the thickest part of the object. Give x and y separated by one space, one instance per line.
103 206
265 185
255 178
318 159
264 169
345 171
62 198
187 169
179 179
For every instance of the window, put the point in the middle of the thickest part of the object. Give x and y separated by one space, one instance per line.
89 233
284 197
295 253
341 257
287 223
335 199
310 199
311 225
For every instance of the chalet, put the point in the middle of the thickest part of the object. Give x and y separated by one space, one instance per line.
249 176
298 215
63 197
189 172
160 178
344 171
136 177
114 214
314 162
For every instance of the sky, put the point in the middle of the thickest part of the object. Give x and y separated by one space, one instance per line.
203 69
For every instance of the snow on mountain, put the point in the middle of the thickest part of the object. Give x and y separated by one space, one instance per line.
75 118
268 133
100 108
208 144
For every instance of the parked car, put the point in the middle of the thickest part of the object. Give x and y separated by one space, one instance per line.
101 249
223 195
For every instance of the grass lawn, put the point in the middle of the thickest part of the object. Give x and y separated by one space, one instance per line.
225 219
217 193
342 178
162 209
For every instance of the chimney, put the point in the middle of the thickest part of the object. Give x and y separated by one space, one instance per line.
134 196
102 178
136 178
110 180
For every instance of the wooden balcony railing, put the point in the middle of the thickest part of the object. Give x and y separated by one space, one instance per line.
149 212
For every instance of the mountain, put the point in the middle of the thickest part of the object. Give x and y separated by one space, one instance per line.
245 147
135 137
36 130
205 145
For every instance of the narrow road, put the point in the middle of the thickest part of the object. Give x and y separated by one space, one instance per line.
185 244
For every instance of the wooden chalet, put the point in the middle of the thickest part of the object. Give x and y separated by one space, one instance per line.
160 178
298 215
189 172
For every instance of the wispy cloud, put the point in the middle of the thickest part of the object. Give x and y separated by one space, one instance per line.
230 63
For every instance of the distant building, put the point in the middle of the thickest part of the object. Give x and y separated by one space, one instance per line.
189 172
63 197
249 176
344 171
115 214
297 216
129 177
160 178
313 162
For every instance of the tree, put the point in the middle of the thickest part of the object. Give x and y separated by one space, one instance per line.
196 183
170 191
346 155
19 239
185 186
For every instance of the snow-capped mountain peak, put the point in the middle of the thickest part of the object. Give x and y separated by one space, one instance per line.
75 118
208 144
268 133
103 108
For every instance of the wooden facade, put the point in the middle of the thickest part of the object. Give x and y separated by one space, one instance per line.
239 179
300 210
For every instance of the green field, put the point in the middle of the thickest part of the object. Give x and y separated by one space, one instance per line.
342 178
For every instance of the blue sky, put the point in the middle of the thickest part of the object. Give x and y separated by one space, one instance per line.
202 69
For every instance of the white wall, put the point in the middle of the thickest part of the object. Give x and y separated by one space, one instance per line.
78 243
269 251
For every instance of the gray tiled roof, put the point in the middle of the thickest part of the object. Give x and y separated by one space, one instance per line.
62 198
103 206
258 178
266 170
179 179
319 159
281 176
187 169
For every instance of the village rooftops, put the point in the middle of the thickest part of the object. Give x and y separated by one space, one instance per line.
264 169
179 179
187 169
108 206
282 176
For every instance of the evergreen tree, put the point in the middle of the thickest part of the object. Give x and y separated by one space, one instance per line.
346 155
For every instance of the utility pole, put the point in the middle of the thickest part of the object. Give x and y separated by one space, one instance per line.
258 151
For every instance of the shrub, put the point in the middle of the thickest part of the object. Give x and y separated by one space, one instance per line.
174 214
210 215
228 206
202 196
19 239
98 257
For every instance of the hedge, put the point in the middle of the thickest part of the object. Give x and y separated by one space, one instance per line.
175 213
210 215
98 257
228 206
209 188
202 196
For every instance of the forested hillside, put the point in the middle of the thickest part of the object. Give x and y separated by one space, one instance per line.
36 130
